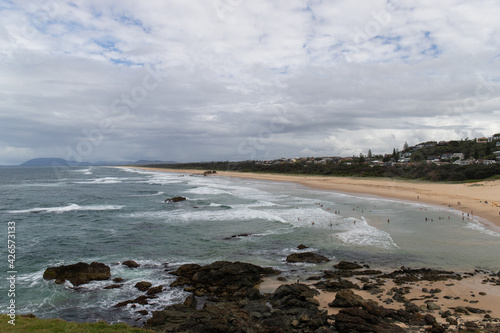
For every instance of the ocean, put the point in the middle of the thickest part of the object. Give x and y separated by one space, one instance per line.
83 214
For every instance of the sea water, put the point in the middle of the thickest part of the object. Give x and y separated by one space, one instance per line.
109 215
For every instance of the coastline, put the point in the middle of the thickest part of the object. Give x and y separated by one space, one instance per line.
469 198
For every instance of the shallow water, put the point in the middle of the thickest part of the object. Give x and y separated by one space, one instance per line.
115 214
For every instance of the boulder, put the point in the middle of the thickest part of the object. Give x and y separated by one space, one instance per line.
231 275
291 297
142 300
113 286
302 246
175 199
347 265
154 290
78 274
339 285
143 285
367 319
130 263
346 299
309 257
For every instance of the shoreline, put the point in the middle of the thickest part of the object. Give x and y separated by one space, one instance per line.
469 198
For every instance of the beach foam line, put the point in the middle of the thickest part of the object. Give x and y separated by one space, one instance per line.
68 208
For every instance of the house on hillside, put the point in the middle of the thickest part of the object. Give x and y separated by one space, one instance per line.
482 140
447 156
459 155
496 136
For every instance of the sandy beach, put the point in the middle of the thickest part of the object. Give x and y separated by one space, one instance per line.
480 199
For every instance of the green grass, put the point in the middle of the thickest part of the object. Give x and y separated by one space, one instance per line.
29 324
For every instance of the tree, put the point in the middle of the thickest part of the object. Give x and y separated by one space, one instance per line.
488 149
395 154
370 155
476 153
405 146
361 159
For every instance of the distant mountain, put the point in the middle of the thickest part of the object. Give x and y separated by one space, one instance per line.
39 162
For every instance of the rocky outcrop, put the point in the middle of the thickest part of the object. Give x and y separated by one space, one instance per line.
175 199
130 263
143 285
346 299
370 318
78 274
291 308
405 275
221 279
347 265
308 257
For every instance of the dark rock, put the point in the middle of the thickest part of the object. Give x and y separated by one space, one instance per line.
429 319
154 290
143 285
143 300
346 299
79 273
118 279
370 318
412 307
334 286
309 257
231 274
433 306
405 275
130 263
191 301
175 199
302 246
436 328
295 296
417 319
238 236
142 312
347 265
187 270
113 286
451 321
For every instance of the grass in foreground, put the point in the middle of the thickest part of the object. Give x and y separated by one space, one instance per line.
29 324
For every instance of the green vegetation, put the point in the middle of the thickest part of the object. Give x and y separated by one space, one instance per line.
32 324
430 172
470 149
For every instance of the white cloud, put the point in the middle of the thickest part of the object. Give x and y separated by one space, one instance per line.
341 77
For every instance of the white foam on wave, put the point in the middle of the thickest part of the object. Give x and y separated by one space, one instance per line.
148 195
84 171
241 214
476 226
206 190
68 208
105 180
360 233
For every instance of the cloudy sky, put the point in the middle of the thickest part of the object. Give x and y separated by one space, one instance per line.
238 79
